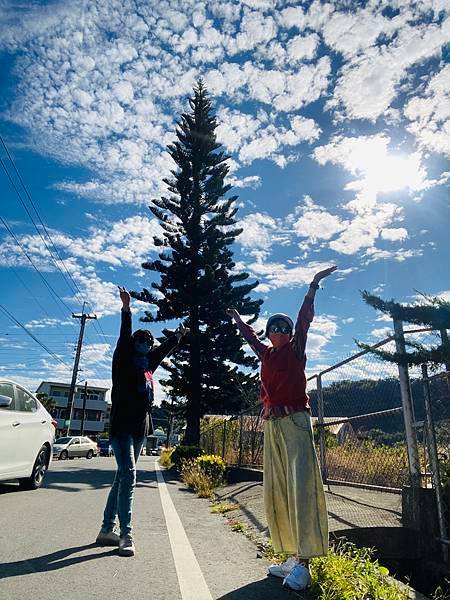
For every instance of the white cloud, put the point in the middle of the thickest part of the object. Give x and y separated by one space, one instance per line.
300 47
429 115
274 275
259 233
370 82
44 323
351 32
381 333
373 254
322 330
125 243
394 234
315 223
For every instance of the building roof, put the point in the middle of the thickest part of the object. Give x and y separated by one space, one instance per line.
67 385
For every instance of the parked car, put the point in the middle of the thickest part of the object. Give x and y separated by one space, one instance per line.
105 448
27 432
69 447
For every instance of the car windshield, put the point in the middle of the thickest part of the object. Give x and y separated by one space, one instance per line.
64 440
103 442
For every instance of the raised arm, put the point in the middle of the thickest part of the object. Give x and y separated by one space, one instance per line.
306 312
125 321
158 354
248 333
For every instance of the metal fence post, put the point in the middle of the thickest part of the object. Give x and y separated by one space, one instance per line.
321 420
224 437
241 431
433 453
408 409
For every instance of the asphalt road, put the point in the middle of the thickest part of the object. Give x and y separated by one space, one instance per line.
183 552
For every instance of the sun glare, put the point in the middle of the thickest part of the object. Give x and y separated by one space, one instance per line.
382 171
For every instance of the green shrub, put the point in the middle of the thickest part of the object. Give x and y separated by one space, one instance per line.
185 453
213 466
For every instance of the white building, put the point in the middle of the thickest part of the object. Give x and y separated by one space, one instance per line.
96 406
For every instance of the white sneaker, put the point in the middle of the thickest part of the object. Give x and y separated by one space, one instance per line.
284 568
299 578
107 539
126 545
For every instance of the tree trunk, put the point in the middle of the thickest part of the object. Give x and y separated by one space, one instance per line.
192 435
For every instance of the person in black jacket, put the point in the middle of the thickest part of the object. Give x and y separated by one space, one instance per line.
134 362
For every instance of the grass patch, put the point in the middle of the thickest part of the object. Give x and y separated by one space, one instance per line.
348 572
224 507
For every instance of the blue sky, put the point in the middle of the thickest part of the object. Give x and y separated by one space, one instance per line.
336 116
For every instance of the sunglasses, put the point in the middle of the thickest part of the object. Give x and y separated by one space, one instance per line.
280 329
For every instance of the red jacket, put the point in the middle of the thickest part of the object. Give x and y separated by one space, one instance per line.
283 380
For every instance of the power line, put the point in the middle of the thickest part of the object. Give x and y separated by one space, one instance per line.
47 284
32 336
75 290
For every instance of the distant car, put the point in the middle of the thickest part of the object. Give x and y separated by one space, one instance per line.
72 446
105 448
27 432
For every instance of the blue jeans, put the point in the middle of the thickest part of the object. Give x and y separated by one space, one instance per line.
127 449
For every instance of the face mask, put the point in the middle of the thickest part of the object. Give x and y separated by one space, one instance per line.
279 339
142 348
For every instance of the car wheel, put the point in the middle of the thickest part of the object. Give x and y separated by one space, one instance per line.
37 475
90 454
64 455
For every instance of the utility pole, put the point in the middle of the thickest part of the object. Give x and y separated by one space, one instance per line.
83 318
83 413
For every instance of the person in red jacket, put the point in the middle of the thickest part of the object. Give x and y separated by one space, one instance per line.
293 491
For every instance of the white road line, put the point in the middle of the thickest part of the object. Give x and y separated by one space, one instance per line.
190 577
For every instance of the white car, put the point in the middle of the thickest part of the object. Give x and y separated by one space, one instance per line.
27 432
69 447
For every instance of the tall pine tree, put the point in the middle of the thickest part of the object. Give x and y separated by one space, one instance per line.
433 313
198 279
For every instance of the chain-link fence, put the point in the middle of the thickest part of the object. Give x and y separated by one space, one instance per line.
369 419
238 439
436 388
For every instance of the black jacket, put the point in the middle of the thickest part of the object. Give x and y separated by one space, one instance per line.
131 407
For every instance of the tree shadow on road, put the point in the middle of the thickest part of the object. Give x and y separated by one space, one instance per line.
266 589
53 561
76 479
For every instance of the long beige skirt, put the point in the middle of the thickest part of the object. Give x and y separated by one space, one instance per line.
293 491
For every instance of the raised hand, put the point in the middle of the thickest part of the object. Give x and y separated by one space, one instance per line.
125 297
232 312
322 274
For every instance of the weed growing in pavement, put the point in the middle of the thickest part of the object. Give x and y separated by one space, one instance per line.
203 473
196 479
165 458
224 507
237 526
274 557
347 573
